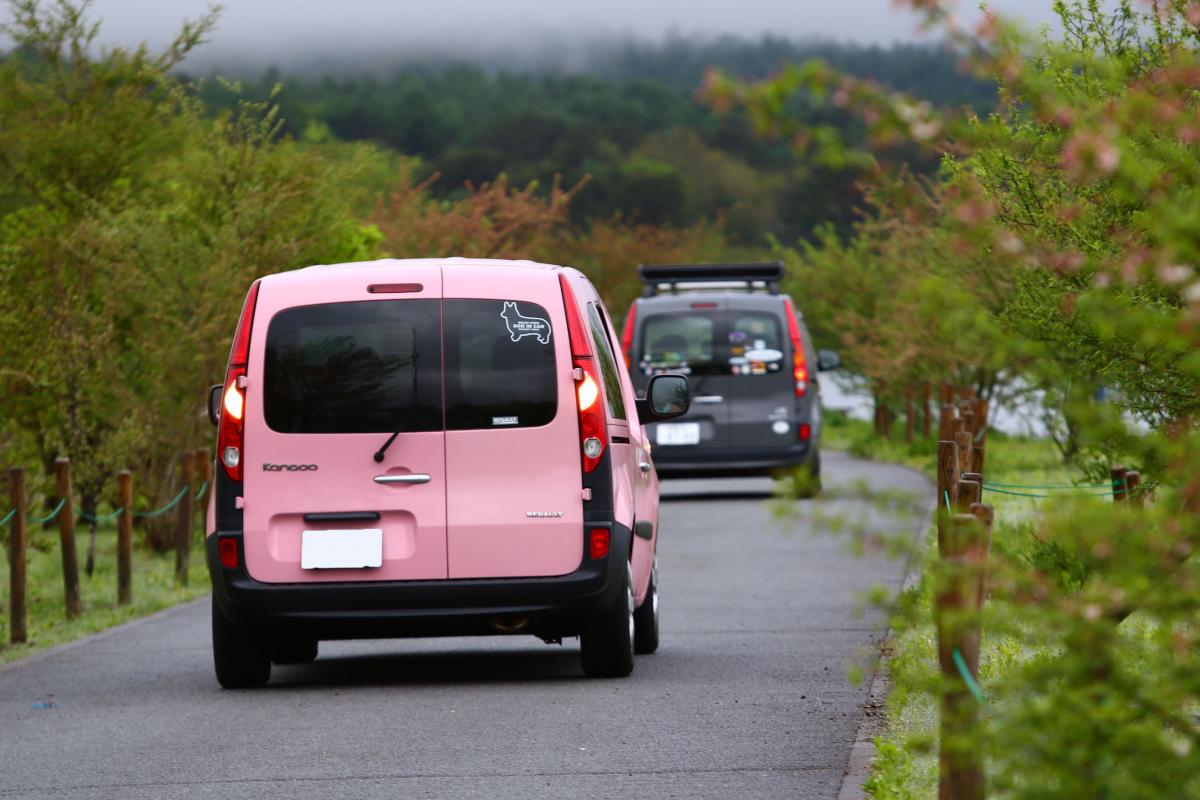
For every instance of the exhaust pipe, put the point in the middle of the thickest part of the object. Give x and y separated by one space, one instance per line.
509 624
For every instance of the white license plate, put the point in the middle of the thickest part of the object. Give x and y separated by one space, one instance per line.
355 549
678 433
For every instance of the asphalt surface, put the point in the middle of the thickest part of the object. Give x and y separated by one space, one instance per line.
748 695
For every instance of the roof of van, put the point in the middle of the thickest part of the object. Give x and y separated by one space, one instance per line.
732 299
453 262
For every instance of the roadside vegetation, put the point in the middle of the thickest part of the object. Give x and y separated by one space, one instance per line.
1052 259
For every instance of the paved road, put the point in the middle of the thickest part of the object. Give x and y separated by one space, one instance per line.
748 696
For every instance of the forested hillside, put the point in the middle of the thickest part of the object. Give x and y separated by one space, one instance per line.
630 125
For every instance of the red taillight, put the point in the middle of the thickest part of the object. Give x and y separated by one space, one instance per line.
593 428
805 431
231 432
799 364
227 549
627 335
598 543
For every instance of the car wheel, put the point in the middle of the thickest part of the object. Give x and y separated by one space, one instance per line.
242 658
607 643
294 651
645 619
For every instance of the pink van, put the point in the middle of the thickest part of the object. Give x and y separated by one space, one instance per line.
430 448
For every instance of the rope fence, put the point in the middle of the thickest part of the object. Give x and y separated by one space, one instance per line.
195 469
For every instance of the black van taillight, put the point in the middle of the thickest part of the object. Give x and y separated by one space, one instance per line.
231 434
627 334
799 363
593 428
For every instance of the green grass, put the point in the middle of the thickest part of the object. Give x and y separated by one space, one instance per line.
154 588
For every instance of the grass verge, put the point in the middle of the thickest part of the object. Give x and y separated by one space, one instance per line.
154 588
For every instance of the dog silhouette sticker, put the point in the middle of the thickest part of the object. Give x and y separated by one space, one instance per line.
520 326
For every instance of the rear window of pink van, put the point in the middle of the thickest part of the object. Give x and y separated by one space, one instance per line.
376 367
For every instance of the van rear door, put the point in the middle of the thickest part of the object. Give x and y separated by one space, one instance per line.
760 392
687 339
330 382
515 488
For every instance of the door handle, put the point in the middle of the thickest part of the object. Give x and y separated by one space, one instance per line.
418 477
644 466
706 399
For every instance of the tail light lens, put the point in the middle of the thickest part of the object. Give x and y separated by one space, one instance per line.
227 549
805 431
598 541
593 428
231 436
799 362
627 335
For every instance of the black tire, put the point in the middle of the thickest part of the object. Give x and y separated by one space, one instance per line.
294 651
242 659
645 618
606 644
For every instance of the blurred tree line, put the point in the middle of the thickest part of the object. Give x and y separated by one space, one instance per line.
133 217
631 124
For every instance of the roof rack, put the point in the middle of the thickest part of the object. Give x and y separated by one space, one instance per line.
755 275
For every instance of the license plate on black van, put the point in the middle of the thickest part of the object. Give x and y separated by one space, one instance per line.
678 433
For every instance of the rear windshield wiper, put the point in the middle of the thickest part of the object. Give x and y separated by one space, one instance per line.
402 424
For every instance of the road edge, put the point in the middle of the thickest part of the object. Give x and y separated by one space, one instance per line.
50 652
862 752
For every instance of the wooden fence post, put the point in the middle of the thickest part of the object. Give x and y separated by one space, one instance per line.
947 486
926 410
17 542
980 432
66 537
125 538
1119 490
965 441
183 525
1132 479
947 422
970 491
960 765
204 477
910 414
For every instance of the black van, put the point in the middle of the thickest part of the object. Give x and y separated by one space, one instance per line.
753 369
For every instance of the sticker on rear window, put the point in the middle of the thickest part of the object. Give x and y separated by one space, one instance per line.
520 326
506 421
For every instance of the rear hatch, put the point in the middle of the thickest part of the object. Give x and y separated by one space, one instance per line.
738 354
760 393
686 338
471 485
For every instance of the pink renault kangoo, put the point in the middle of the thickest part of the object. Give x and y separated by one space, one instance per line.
431 448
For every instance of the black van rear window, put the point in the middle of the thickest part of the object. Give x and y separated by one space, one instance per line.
684 342
361 367
500 367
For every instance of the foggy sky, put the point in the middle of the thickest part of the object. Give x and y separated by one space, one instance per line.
284 31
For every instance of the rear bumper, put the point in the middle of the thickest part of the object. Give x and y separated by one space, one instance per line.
675 462
550 607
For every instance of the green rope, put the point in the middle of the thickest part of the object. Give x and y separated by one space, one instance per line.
972 686
164 509
8 516
1059 494
200 492
50 516
989 484
949 510
102 517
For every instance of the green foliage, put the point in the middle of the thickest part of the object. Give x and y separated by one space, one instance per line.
1055 255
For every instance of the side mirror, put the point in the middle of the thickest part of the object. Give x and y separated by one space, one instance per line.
827 360
667 397
214 403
